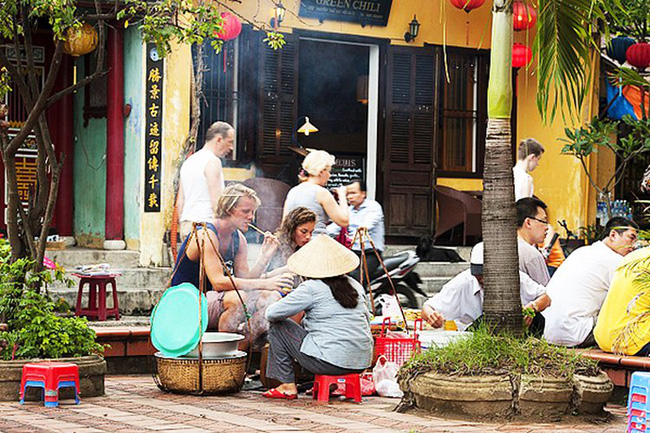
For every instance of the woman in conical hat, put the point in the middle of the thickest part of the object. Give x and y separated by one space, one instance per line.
335 337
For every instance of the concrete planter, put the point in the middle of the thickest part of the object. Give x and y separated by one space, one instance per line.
483 396
91 375
592 392
541 397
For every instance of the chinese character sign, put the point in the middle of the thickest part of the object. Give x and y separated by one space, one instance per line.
153 131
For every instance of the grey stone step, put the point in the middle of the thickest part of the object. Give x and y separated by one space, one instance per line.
73 257
132 301
440 269
432 285
135 277
394 249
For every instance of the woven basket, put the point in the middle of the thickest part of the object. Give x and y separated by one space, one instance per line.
219 375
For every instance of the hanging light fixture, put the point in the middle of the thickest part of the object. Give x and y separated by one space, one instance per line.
638 55
523 16
521 55
80 41
618 46
467 5
414 29
231 27
280 12
307 128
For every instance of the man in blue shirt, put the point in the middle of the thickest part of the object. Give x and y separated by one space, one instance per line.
367 213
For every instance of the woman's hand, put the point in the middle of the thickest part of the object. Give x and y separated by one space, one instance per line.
342 193
270 245
280 283
432 317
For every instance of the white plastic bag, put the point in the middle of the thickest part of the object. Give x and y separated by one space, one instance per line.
384 374
389 306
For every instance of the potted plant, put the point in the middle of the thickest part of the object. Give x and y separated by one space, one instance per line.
34 331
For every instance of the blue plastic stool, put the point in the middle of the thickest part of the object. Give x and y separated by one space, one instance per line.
50 398
638 403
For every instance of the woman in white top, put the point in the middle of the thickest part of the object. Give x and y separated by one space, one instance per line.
312 194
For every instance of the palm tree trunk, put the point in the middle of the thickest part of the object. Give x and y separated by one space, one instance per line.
502 303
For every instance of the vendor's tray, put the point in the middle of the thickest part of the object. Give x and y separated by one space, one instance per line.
440 338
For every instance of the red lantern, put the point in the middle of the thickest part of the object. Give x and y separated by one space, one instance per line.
230 27
523 16
638 55
521 55
467 5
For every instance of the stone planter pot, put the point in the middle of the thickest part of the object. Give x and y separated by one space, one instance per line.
91 378
482 396
592 392
541 397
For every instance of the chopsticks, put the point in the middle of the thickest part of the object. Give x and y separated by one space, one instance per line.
260 231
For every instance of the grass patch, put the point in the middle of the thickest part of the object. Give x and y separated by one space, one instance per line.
486 353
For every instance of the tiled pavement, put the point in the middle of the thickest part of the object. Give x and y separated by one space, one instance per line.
134 404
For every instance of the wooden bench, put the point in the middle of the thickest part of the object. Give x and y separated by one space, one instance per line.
619 368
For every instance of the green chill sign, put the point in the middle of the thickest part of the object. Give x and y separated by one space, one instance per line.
365 12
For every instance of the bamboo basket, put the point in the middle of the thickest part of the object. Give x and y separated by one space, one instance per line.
219 375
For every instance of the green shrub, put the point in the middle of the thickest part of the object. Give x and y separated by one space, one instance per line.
486 353
35 331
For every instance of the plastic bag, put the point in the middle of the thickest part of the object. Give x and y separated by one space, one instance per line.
367 384
384 375
389 306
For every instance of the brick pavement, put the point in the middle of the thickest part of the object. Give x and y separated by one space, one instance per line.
134 404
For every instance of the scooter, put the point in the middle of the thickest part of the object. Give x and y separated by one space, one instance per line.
406 281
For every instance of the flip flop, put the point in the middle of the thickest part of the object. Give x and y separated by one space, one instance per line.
274 393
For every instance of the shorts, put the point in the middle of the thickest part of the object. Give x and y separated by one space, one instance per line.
215 308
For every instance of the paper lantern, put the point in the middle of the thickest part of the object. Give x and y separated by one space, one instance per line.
467 5
638 55
521 55
231 27
524 16
80 41
618 46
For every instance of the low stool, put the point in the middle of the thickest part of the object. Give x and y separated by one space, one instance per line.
97 296
50 376
352 386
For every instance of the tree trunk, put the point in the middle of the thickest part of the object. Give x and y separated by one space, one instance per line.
502 303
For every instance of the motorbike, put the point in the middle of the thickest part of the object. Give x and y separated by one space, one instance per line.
401 268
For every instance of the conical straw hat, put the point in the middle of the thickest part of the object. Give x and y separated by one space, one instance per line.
322 257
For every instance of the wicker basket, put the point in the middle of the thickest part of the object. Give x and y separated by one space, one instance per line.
220 375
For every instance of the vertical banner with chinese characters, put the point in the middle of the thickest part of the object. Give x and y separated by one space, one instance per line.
153 129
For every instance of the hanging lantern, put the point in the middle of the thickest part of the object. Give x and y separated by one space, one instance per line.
638 55
231 27
618 46
80 41
524 16
521 55
467 5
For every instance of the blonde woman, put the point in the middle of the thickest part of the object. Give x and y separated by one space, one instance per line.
235 210
312 193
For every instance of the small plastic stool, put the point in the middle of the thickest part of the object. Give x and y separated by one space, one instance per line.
638 403
352 386
97 283
51 376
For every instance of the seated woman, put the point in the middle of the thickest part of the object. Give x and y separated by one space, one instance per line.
335 337
312 194
294 232
235 210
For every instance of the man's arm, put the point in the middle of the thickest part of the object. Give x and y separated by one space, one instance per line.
443 305
214 174
180 200
296 301
373 217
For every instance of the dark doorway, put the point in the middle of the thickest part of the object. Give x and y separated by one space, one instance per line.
333 92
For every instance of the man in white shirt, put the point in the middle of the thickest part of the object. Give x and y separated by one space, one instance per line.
578 287
461 299
201 179
528 155
532 225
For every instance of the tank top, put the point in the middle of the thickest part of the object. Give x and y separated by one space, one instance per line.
187 271
198 205
305 195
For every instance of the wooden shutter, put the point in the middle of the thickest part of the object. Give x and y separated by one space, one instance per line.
278 105
409 141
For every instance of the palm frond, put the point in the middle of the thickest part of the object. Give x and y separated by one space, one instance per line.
563 45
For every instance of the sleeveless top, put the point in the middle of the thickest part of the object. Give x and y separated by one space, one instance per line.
305 195
187 271
198 205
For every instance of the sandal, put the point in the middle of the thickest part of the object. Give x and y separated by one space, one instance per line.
274 393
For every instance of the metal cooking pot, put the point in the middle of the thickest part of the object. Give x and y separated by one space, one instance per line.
217 344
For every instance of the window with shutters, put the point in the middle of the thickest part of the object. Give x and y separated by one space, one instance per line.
463 114
219 100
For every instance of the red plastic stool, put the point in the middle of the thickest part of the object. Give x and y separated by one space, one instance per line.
97 283
50 376
352 386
